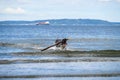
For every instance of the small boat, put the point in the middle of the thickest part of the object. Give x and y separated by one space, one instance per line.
43 23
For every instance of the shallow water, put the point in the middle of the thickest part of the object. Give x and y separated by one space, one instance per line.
21 57
46 65
63 71
60 68
70 78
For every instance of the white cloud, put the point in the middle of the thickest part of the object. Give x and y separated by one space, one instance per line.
10 10
68 2
109 0
24 1
104 0
118 0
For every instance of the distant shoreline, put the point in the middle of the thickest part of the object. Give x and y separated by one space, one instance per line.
64 22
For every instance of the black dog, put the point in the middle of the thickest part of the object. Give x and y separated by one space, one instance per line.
62 43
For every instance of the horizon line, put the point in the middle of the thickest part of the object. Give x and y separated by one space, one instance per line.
61 18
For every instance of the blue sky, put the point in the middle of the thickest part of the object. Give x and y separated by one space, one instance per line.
59 9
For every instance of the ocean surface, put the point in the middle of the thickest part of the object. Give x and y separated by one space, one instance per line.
19 39
80 37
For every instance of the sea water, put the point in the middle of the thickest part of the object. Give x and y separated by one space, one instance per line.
80 37
31 38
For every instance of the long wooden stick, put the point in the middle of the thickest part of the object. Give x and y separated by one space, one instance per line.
51 46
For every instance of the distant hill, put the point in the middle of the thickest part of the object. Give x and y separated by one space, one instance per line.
65 22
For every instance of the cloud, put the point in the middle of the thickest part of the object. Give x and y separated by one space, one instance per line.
118 0
24 1
104 0
109 1
10 10
68 2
